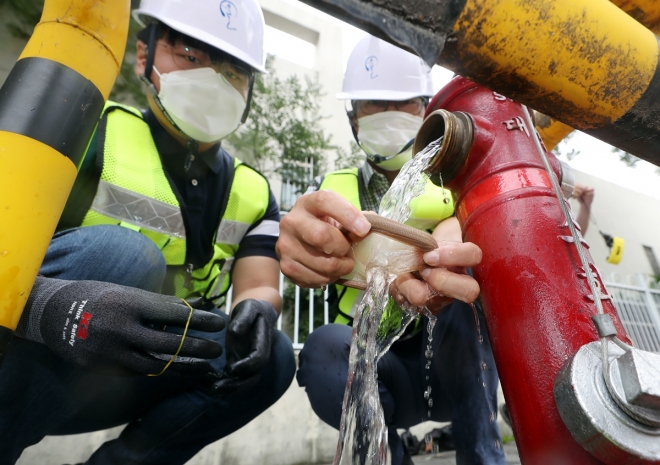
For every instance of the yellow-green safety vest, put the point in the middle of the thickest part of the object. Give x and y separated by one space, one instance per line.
427 211
134 192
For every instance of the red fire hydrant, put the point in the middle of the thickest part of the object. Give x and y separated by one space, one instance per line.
535 294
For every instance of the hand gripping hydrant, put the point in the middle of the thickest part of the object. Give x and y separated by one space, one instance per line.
550 320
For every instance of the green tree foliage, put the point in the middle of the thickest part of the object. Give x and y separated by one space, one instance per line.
629 159
283 134
25 14
562 148
626 158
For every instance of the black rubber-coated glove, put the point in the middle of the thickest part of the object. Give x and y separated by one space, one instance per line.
117 329
248 342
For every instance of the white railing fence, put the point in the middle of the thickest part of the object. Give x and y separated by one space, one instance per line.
303 310
636 298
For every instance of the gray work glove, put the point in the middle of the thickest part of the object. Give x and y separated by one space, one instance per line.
248 342
117 329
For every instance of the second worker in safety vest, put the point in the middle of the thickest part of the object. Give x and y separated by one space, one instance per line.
159 207
389 90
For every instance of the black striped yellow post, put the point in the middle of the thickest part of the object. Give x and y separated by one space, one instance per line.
49 106
586 63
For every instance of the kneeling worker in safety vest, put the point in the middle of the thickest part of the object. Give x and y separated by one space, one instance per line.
159 213
389 90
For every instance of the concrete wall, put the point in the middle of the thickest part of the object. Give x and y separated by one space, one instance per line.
621 212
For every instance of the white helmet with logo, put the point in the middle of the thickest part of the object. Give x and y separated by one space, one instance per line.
378 70
233 26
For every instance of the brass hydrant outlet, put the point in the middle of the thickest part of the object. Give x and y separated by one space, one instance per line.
457 129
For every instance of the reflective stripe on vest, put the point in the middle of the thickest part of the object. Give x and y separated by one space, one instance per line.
135 193
427 211
144 212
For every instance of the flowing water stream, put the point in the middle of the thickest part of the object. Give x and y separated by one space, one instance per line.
363 433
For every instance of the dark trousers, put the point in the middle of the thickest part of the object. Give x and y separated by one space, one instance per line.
169 418
457 378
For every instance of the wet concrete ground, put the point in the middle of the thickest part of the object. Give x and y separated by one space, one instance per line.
449 458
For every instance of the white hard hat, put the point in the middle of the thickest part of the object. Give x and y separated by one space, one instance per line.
233 26
378 70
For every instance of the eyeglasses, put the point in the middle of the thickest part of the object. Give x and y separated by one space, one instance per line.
370 107
186 57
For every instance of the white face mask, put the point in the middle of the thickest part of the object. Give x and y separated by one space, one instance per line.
201 103
384 135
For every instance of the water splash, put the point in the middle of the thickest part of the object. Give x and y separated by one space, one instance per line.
428 353
409 184
363 433
492 416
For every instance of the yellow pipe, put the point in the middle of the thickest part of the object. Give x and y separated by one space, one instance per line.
647 13
49 106
88 37
552 132
32 201
585 60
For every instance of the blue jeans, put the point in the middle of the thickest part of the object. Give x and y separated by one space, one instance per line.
169 418
456 381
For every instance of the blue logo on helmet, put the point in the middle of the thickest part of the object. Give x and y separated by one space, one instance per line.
370 65
229 11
